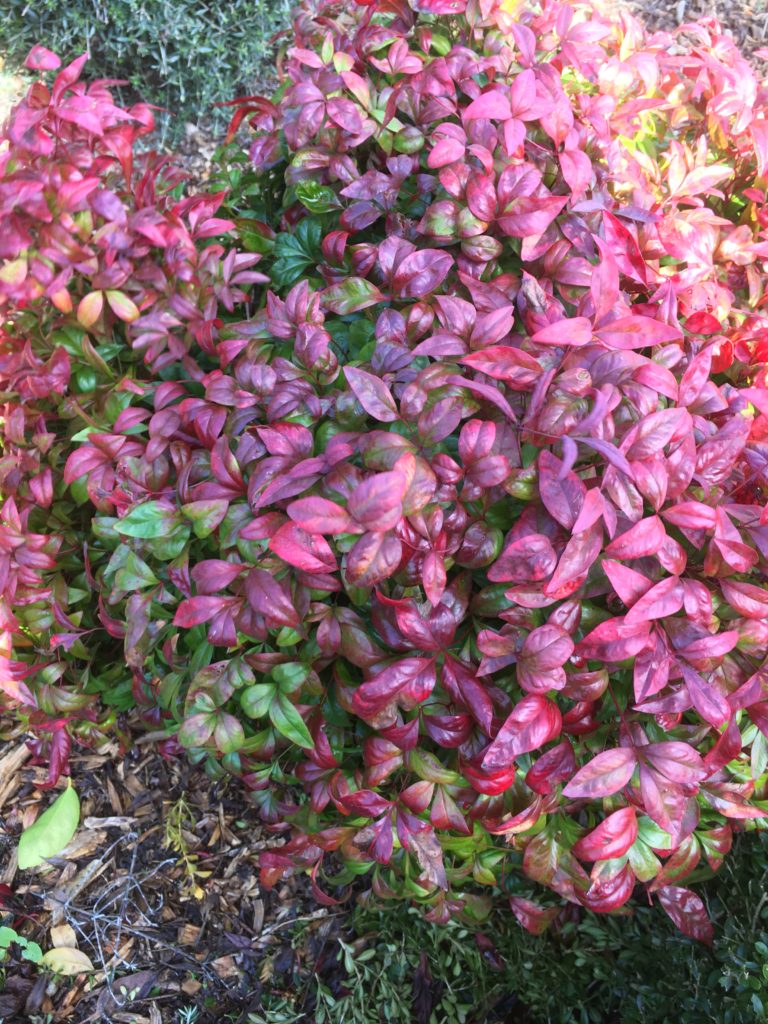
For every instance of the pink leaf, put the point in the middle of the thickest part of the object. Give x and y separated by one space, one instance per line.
688 912
604 775
492 104
533 722
372 393
612 837
40 59
577 331
643 538
661 601
634 331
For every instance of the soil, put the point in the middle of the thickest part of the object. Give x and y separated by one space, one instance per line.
177 929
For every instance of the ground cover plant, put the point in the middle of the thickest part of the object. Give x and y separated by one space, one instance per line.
425 490
597 970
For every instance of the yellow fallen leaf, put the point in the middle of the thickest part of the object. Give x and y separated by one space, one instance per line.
63 935
67 960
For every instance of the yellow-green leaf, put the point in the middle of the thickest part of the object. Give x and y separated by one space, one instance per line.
123 307
89 308
67 960
14 272
51 832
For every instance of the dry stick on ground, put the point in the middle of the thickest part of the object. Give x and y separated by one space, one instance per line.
111 913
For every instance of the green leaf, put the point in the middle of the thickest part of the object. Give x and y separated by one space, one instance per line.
228 734
287 637
135 574
290 676
171 544
289 723
649 832
294 253
146 521
32 952
206 515
351 295
255 700
317 198
196 730
51 832
643 861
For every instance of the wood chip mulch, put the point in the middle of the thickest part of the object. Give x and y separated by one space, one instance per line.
159 888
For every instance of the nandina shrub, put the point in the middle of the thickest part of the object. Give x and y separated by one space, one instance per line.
452 542
103 269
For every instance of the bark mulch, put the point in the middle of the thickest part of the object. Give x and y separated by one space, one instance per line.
159 888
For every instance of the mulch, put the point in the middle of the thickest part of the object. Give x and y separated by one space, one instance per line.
159 888
745 20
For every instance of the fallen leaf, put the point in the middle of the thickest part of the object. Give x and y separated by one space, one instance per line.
68 961
63 935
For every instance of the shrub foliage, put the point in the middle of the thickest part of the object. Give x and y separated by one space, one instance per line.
444 528
185 56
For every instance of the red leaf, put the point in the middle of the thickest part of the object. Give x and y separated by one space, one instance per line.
676 761
607 894
688 912
747 599
466 689
376 503
706 698
612 837
529 215
628 584
532 917
654 432
319 515
533 722
604 775
82 461
412 678
526 560
580 554
372 393
562 495
195 610
552 768
420 273
271 598
309 552
516 368
373 558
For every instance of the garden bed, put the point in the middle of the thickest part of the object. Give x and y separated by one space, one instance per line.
160 889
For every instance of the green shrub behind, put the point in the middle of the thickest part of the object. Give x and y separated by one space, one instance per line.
184 55
601 969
